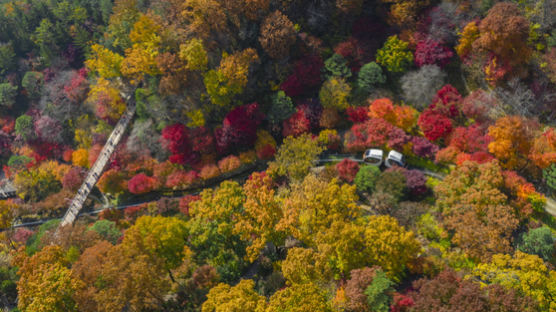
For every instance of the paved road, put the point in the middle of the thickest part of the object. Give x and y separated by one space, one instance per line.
96 170
353 157
550 206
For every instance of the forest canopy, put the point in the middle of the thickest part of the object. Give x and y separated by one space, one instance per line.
231 136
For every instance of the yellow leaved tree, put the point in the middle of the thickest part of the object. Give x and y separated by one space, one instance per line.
526 273
239 298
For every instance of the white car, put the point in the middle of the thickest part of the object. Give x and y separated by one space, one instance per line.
373 157
394 158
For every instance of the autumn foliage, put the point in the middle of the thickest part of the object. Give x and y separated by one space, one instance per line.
238 184
347 169
239 128
141 183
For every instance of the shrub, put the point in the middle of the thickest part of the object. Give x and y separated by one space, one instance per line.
434 125
181 179
265 146
351 50
366 178
429 227
447 155
334 94
229 163
383 108
194 54
277 35
370 76
447 102
306 74
432 52
416 182
48 129
478 104
32 82
7 95
248 157
329 118
80 157
393 182
408 212
112 181
538 242
312 110
394 55
355 287
176 140
375 132
21 235
549 175
423 147
347 169
419 87
34 242
336 66
378 292
112 214
209 171
397 139
330 139
357 114
383 203
202 140
296 124
5 144
7 58
186 201
294 157
281 108
73 179
24 127
107 230
18 161
239 128
141 183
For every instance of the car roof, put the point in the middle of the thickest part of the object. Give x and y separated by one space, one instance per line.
395 156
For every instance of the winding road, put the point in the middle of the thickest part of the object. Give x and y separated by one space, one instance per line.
95 172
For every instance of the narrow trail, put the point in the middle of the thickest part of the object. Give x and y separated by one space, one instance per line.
96 170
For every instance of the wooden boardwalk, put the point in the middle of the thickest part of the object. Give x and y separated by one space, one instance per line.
7 190
96 170
550 206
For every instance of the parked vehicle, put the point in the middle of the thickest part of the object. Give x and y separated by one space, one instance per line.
373 157
394 158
